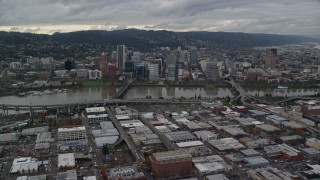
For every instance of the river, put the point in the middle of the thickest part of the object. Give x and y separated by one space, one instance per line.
92 94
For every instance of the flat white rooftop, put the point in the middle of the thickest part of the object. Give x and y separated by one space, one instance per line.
97 116
66 159
72 129
95 109
189 144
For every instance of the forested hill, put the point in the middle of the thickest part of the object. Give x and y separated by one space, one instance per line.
143 39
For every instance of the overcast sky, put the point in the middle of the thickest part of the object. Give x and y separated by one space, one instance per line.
252 16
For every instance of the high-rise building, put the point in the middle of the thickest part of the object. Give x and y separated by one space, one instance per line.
141 72
171 164
69 64
171 76
112 72
271 58
49 64
104 65
35 63
212 71
193 56
153 72
171 59
159 62
136 57
183 56
129 66
121 57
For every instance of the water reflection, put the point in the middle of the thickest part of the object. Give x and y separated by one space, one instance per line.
283 92
176 92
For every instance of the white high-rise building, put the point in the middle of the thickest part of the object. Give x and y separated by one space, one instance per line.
121 56
136 57
153 72
49 64
72 134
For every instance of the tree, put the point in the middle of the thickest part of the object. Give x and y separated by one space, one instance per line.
105 149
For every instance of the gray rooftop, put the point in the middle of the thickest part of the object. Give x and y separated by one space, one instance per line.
267 127
69 175
217 177
106 125
34 131
290 138
254 161
180 136
171 155
9 137
249 152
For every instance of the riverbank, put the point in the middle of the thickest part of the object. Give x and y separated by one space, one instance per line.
96 84
275 86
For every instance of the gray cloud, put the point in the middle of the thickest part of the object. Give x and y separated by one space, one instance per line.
254 16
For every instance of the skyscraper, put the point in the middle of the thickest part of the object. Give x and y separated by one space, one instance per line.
271 58
193 56
212 71
49 64
154 72
104 65
69 64
171 59
121 57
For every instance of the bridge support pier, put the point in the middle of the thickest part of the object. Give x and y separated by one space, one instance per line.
57 111
78 108
30 111
5 111
69 109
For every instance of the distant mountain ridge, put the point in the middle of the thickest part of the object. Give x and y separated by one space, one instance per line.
143 39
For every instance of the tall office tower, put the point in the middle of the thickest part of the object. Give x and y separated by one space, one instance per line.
129 66
141 71
271 58
35 63
193 56
159 62
121 56
171 72
104 65
136 57
171 59
49 64
153 72
183 56
69 64
212 71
